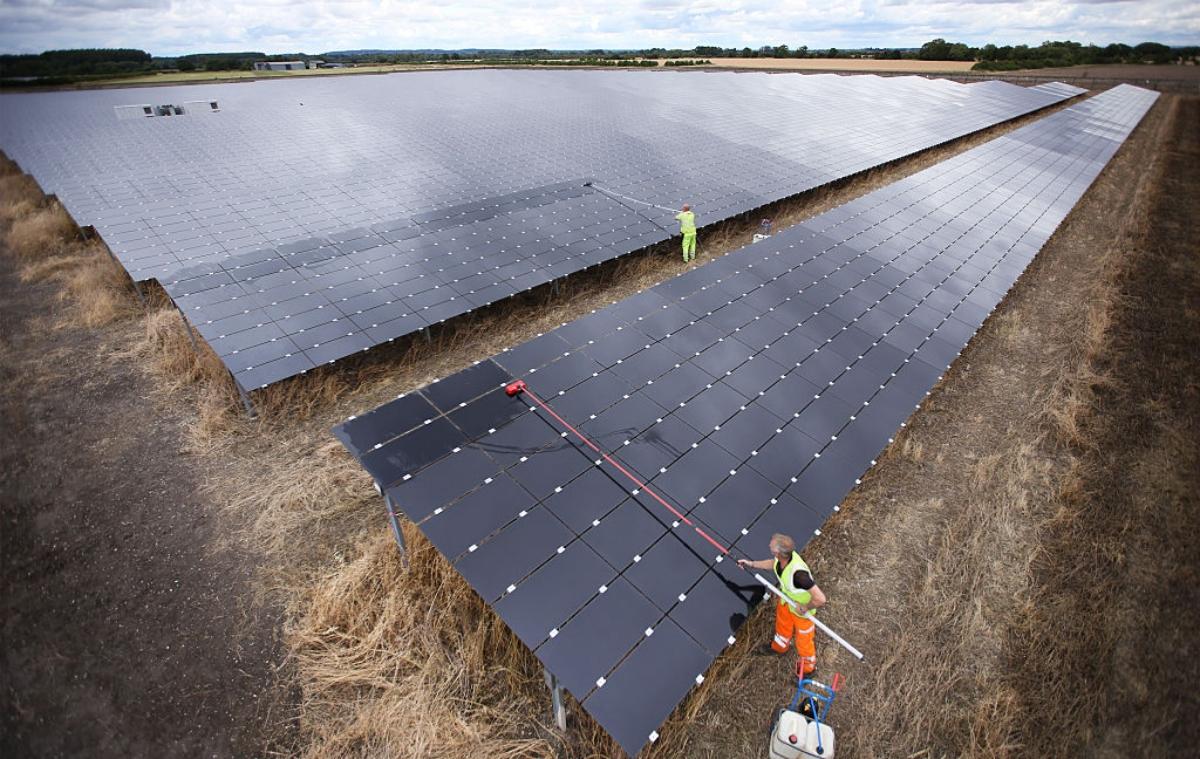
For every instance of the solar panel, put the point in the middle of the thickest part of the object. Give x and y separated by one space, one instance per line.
749 421
309 220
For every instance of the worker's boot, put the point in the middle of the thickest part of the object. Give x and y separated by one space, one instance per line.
811 675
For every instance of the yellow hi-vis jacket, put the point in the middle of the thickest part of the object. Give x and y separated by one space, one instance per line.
785 576
687 222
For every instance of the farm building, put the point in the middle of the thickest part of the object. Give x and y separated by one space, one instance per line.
279 66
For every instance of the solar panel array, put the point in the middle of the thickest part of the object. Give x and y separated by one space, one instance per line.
308 220
753 392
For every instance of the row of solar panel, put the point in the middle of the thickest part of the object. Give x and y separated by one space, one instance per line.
752 392
256 166
271 312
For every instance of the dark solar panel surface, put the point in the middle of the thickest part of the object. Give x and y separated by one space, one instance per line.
753 392
309 220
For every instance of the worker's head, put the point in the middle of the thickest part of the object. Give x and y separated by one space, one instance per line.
782 547
687 207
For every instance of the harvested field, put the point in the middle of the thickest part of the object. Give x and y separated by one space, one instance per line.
1124 72
964 565
861 65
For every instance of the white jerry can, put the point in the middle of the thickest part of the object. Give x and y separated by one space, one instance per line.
796 737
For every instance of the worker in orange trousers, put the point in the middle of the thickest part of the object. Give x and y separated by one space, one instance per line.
797 583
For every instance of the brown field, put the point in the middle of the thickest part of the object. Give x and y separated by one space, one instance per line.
844 64
1020 568
1124 72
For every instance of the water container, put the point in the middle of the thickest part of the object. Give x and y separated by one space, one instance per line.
795 737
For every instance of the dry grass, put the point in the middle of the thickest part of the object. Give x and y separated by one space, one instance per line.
912 449
953 626
181 367
411 663
937 684
48 247
17 195
96 290
41 232
1115 604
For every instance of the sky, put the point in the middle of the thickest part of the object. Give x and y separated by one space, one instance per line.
174 27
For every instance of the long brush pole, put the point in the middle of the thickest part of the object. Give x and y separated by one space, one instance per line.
606 191
823 627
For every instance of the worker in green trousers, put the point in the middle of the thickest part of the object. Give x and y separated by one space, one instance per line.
687 227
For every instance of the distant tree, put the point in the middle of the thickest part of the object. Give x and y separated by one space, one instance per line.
941 50
1116 53
934 50
1089 54
833 52
75 63
960 52
1153 52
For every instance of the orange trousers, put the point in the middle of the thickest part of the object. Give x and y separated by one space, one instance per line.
789 626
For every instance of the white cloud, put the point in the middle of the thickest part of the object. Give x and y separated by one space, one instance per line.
168 27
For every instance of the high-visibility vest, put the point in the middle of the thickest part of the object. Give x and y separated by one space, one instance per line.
687 222
785 577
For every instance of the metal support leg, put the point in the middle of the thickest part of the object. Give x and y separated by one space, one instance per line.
90 232
397 533
428 335
137 290
556 699
188 325
246 402
554 288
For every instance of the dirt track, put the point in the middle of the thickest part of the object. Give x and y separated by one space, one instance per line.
127 630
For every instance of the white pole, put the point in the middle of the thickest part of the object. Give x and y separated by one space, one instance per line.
595 186
825 629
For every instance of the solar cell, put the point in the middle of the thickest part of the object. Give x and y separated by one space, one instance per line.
748 426
370 217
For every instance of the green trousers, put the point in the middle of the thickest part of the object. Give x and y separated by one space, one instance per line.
689 246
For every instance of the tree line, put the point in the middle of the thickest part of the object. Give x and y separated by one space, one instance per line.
1056 54
90 61
995 57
